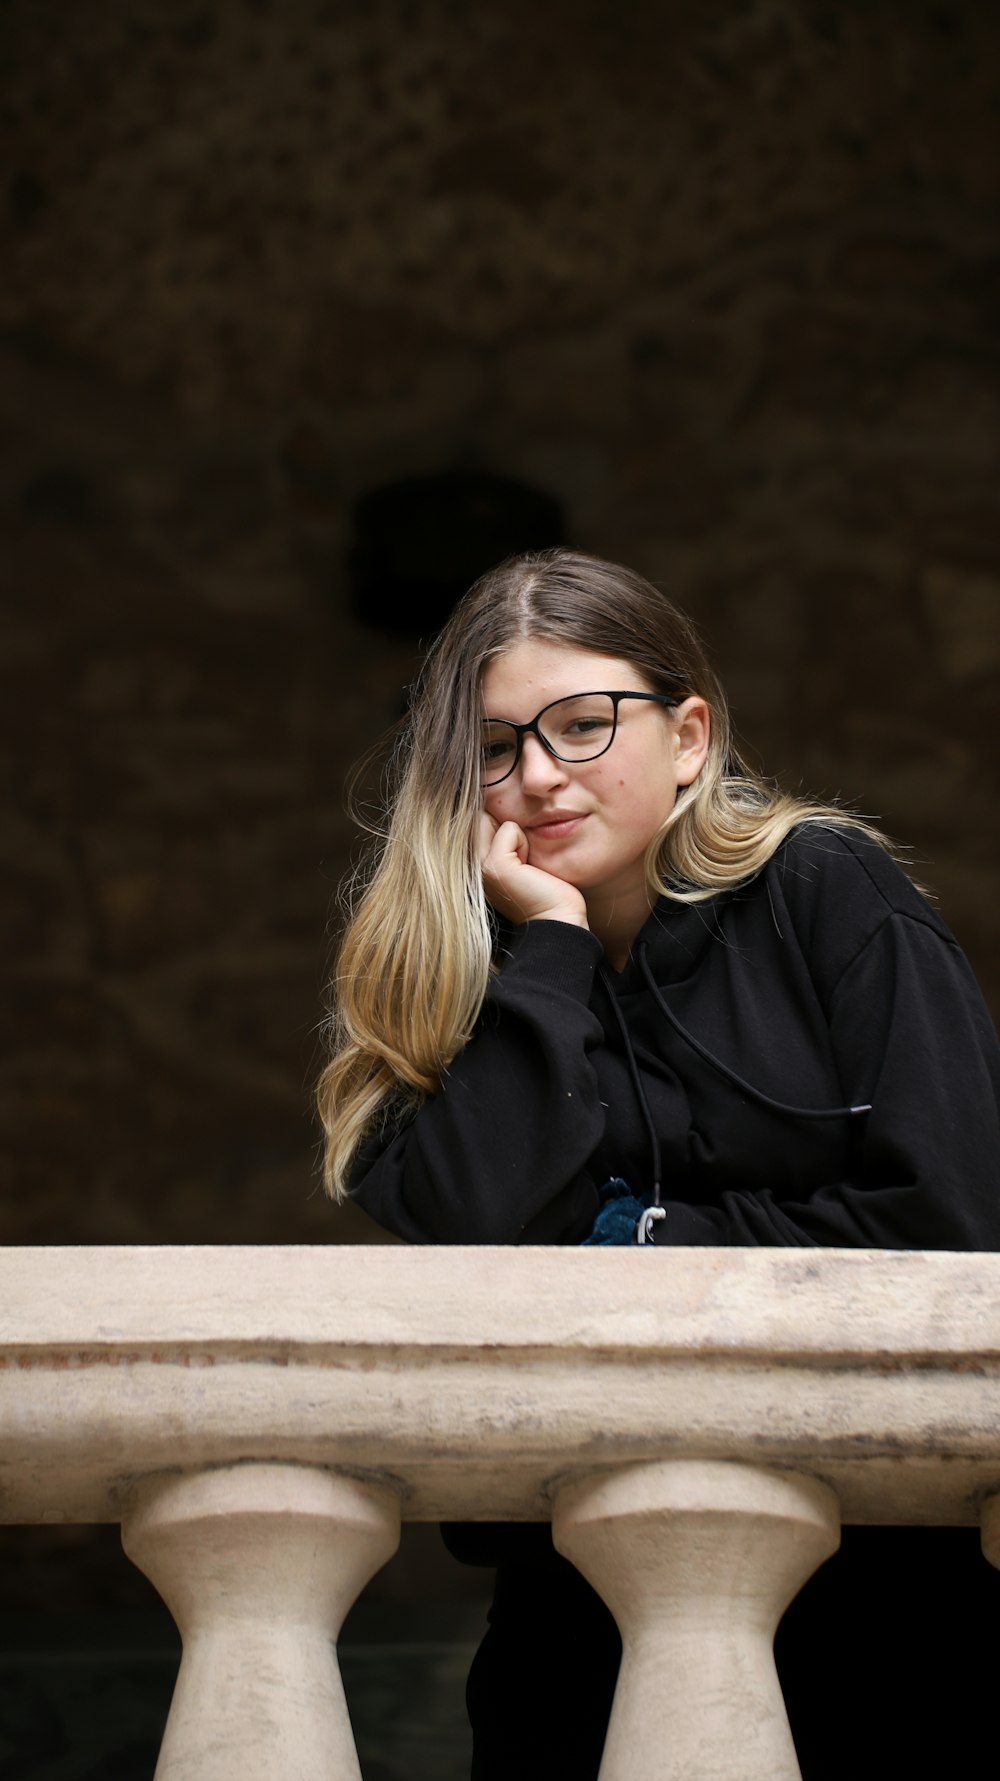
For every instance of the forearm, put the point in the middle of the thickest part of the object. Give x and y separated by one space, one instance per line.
500 1154
912 1038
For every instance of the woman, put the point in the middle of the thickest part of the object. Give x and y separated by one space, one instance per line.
605 982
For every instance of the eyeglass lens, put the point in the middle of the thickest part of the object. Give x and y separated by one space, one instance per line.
575 729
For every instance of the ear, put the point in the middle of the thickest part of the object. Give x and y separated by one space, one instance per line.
692 732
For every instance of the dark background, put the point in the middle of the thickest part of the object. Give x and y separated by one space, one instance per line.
722 280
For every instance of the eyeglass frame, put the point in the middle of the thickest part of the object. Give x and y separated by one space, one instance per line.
531 729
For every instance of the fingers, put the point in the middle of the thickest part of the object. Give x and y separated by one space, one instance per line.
504 865
518 890
505 850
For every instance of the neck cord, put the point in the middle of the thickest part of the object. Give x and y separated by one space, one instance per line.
655 1213
740 1082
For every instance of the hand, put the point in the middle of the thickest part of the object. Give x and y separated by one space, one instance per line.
517 890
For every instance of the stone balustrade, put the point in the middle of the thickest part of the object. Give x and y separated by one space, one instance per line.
697 1423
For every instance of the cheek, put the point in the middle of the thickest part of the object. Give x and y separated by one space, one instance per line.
648 806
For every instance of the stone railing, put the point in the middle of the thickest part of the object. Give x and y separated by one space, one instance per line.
697 1423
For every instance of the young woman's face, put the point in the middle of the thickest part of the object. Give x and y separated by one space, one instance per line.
590 822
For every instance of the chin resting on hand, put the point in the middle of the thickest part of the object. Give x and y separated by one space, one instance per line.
518 890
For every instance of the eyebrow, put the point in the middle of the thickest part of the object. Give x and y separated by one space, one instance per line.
581 692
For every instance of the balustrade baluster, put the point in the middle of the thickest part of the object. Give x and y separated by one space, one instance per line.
258 1565
990 1522
697 1561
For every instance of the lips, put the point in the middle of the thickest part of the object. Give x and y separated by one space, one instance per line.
553 825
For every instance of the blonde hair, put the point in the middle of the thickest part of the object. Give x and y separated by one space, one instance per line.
414 960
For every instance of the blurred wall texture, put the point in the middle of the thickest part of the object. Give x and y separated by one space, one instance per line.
721 279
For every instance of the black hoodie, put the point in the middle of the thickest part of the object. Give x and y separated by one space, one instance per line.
809 1054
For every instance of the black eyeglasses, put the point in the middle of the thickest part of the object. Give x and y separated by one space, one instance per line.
575 729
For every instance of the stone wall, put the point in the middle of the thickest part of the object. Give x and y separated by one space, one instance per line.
722 279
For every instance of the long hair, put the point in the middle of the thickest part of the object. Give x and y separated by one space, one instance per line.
416 952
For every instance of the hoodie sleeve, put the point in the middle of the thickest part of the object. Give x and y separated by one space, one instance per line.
911 1036
500 1154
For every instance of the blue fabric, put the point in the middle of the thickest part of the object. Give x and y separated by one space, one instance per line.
618 1217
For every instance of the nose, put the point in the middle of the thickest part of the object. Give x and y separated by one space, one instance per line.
540 770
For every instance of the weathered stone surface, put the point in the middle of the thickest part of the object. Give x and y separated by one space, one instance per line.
258 1419
479 1381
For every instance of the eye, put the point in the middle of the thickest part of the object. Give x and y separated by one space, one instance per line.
581 726
499 744
586 726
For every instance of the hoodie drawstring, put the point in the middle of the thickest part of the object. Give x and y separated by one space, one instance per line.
756 1094
655 1212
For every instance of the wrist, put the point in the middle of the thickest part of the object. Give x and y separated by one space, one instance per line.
573 918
